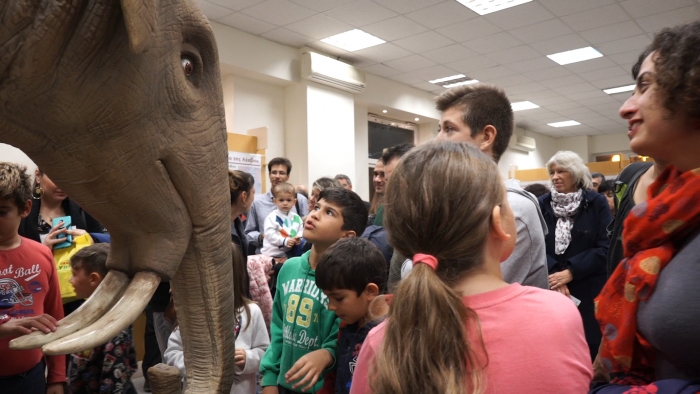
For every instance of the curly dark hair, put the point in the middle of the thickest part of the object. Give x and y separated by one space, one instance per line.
678 67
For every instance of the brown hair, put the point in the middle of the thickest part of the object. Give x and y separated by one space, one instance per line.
92 258
239 182
678 67
482 105
15 184
240 301
284 187
280 161
436 184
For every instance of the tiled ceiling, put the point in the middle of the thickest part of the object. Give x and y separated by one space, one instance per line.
430 39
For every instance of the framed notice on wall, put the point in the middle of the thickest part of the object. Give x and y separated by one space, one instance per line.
247 162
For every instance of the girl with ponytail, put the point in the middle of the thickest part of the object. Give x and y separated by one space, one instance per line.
455 326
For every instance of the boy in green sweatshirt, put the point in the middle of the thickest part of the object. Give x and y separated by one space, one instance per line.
304 333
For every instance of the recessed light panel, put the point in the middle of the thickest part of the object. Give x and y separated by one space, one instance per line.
523 105
620 89
468 82
483 7
565 123
576 55
416 119
353 40
440 80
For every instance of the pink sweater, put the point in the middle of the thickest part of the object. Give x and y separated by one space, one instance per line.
533 337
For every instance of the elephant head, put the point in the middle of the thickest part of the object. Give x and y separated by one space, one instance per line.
120 103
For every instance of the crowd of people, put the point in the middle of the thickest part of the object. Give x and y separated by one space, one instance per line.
451 280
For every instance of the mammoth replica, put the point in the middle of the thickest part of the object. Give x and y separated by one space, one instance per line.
120 102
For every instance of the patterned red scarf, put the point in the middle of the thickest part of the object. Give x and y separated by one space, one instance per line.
652 232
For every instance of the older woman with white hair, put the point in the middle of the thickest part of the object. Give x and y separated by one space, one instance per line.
577 242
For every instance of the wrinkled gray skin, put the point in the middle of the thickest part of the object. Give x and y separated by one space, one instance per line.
96 94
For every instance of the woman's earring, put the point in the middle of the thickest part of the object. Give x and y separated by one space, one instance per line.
38 192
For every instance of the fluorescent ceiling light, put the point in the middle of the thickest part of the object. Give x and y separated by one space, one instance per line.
469 82
620 89
417 119
565 123
384 110
483 7
523 105
576 55
458 76
353 40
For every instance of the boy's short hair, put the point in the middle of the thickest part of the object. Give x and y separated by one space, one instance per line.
343 177
280 161
284 187
92 259
352 264
396 152
15 184
351 205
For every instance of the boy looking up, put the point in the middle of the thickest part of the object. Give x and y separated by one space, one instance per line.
107 368
351 274
283 227
304 332
28 289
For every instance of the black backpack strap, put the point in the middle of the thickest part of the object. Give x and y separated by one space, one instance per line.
628 174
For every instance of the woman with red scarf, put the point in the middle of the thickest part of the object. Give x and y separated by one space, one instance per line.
649 310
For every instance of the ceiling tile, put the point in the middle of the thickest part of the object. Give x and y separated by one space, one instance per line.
519 16
235 4
425 41
449 53
574 112
603 100
657 22
595 18
433 72
469 30
407 78
246 23
381 70
627 59
214 11
547 73
384 52
394 28
473 63
322 5
406 6
586 95
541 31
278 12
576 88
624 45
590 65
319 27
410 63
562 81
566 7
508 56
526 88
613 82
596 75
492 43
329 49
568 105
537 63
361 13
424 86
491 73
442 14
287 37
642 8
512 80
560 44
612 32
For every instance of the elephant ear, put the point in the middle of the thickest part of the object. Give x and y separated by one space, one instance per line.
140 20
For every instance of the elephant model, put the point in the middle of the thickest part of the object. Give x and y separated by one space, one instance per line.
120 102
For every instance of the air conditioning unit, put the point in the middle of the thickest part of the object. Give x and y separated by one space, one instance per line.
327 71
525 144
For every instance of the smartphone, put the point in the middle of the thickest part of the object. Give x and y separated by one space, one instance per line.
67 222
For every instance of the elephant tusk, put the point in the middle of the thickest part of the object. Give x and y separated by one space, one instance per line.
104 297
123 313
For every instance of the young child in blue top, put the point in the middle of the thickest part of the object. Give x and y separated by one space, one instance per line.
351 274
304 333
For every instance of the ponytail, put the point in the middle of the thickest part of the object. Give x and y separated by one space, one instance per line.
427 341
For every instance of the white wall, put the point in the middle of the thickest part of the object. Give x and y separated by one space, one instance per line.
577 144
296 148
546 148
609 143
360 184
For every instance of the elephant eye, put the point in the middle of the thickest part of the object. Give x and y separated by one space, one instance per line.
187 66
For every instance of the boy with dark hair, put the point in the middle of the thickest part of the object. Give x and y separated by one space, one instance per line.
351 274
304 332
106 368
28 289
